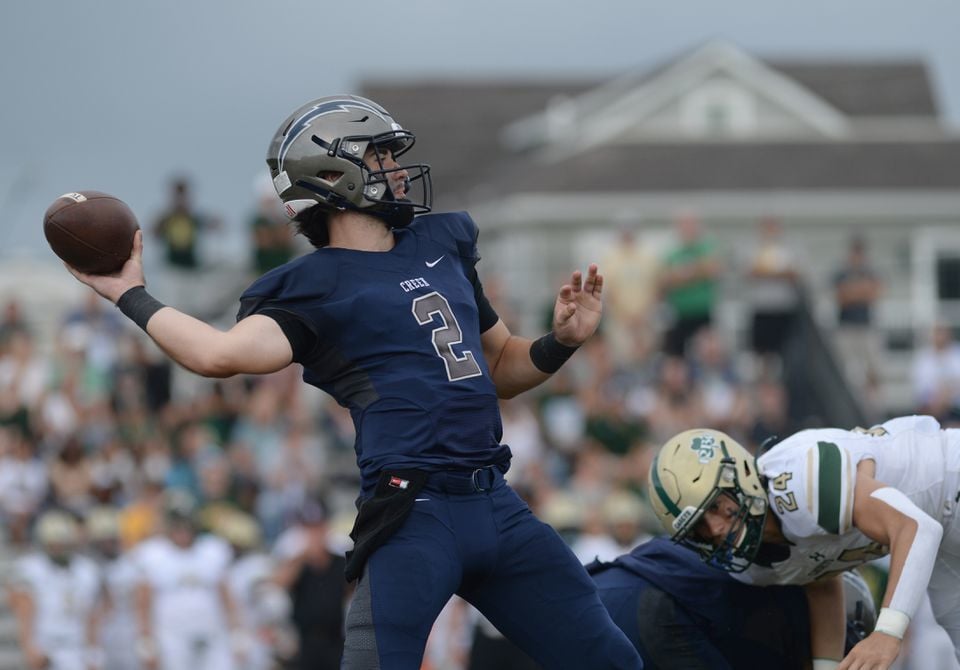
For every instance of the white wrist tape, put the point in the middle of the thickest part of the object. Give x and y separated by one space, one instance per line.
892 623
919 560
825 664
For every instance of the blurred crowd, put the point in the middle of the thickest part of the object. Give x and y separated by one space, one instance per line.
109 455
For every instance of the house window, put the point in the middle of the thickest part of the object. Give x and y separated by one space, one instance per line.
948 277
718 108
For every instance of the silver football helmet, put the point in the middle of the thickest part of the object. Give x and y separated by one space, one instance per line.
316 157
687 476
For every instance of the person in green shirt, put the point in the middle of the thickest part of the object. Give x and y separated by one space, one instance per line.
688 283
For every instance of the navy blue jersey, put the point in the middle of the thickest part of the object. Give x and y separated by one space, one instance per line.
679 612
396 340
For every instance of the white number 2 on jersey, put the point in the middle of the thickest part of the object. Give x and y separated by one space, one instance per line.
445 336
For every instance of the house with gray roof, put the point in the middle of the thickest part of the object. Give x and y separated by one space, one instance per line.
549 169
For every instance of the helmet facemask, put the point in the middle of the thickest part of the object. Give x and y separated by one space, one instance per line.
742 542
398 212
739 548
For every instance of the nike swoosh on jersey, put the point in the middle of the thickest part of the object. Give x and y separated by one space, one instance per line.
421 499
430 264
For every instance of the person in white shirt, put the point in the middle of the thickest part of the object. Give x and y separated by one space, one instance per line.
120 578
935 375
23 483
54 597
185 613
263 607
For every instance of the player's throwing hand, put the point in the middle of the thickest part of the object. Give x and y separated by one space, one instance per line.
112 286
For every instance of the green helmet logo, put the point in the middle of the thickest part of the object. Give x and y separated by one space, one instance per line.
705 446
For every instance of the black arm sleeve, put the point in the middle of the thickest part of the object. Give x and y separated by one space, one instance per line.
488 316
302 338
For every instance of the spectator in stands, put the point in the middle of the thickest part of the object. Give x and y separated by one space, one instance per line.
180 226
286 481
522 432
610 528
71 477
214 478
54 595
313 575
688 282
631 269
677 402
771 414
263 607
724 401
119 576
270 230
603 398
561 414
155 371
23 483
857 287
142 517
261 426
94 328
24 376
936 376
12 321
771 292
112 472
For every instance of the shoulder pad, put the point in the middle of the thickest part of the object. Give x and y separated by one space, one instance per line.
811 487
310 276
454 230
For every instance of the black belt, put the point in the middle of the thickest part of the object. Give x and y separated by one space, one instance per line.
464 482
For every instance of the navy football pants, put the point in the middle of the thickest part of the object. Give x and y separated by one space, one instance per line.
488 548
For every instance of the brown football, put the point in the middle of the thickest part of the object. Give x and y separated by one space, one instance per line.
91 231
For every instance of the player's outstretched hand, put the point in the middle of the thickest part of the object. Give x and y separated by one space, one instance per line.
114 285
877 651
576 313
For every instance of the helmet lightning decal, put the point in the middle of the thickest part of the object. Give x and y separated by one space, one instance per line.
705 446
329 107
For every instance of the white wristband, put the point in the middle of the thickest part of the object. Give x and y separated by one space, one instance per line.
825 664
892 622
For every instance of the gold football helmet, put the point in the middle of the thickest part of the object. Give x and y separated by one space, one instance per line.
687 476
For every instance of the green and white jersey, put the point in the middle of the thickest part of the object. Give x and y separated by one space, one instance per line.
811 478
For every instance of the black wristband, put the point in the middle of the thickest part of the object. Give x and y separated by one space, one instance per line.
548 355
138 305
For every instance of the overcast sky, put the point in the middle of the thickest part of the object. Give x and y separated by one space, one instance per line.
118 95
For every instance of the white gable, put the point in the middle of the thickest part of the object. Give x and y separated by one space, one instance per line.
717 93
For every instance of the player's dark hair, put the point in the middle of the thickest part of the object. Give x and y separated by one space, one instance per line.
312 224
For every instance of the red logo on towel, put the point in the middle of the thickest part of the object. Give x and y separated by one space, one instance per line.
399 483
